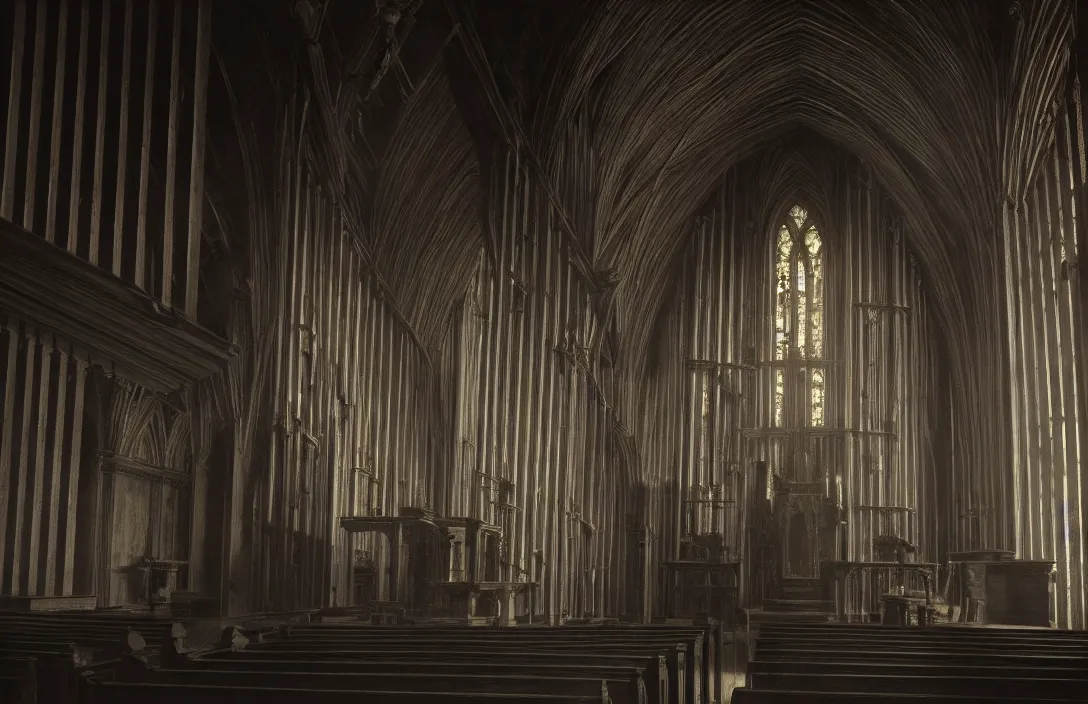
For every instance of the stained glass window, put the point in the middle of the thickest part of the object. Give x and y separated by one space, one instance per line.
799 321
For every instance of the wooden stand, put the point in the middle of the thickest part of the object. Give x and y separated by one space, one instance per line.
898 610
464 601
162 581
1002 591
406 535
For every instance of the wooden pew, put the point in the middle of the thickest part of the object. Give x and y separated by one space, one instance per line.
928 644
714 636
439 661
18 680
743 695
707 667
95 692
829 661
1068 638
948 657
965 631
926 638
688 672
675 681
55 668
625 689
696 686
63 647
760 667
1009 688
624 683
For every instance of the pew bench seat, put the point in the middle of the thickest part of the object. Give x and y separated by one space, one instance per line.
744 695
757 667
142 692
1010 688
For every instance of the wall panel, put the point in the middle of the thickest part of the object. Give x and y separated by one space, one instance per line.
1042 245
102 147
44 379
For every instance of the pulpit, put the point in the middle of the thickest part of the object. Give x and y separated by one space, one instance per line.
161 579
407 535
471 590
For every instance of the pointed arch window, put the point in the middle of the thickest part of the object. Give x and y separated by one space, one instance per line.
800 375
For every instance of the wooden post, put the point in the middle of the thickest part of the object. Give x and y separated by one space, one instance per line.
232 595
196 174
22 465
122 144
37 505
75 192
35 122
166 294
11 389
100 135
15 92
104 534
79 357
197 528
55 132
145 145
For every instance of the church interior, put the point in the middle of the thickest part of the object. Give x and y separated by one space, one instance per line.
480 351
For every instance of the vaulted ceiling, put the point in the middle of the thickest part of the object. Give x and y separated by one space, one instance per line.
946 100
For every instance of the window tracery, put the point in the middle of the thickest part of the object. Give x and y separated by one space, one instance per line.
799 322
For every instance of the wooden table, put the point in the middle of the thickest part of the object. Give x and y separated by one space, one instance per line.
898 608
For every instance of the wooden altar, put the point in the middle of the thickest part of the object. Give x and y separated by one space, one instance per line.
162 580
992 588
406 579
470 588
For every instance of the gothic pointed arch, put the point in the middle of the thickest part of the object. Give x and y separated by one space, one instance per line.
799 273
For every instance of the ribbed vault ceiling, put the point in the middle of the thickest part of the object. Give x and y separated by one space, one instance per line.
644 105
678 91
